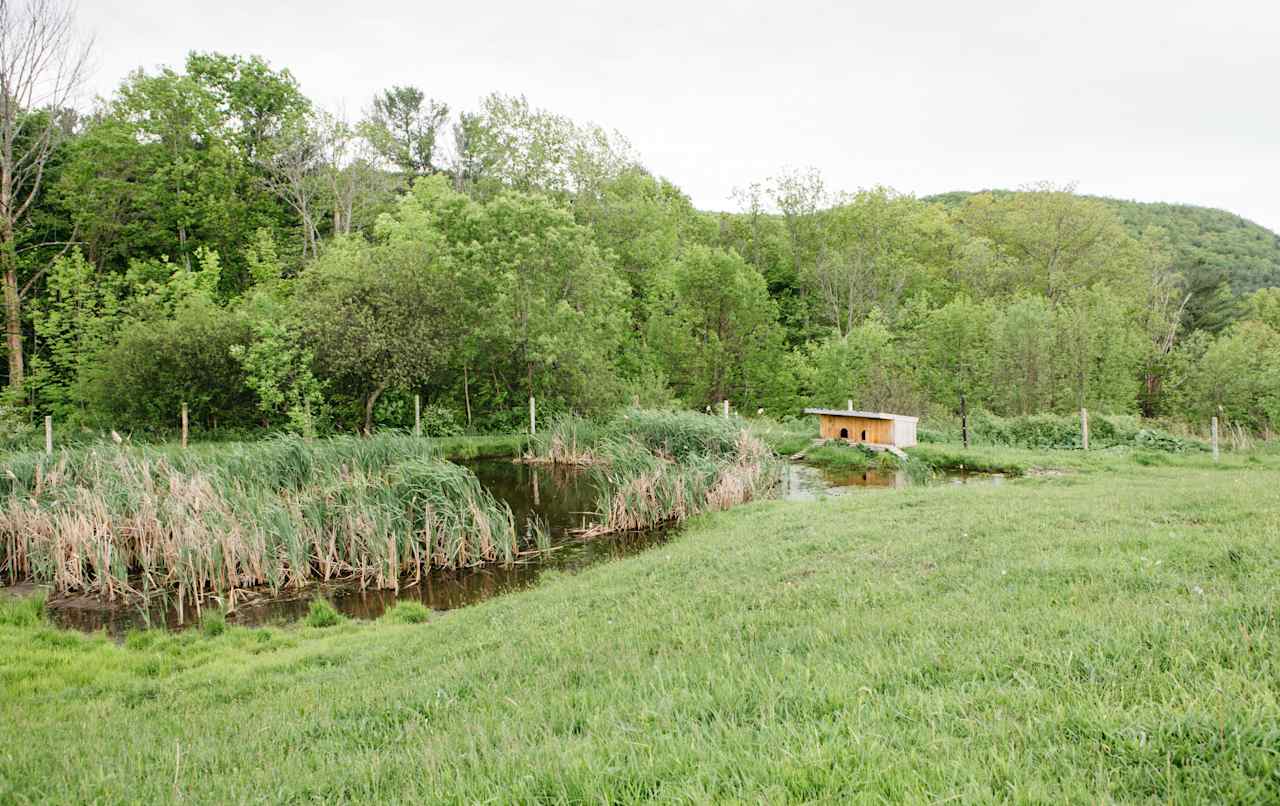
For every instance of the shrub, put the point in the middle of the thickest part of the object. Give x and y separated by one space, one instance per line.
322 613
22 611
213 622
1062 432
407 613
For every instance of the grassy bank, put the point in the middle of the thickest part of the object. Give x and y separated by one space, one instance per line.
1108 635
126 522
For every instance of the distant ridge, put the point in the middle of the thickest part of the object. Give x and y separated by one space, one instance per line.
1210 244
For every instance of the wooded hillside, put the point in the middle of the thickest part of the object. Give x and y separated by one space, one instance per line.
209 236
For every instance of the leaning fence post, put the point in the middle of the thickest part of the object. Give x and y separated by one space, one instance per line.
184 425
1213 432
1084 428
48 433
533 416
417 415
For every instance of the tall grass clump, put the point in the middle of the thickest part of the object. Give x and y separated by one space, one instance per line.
125 522
322 613
656 467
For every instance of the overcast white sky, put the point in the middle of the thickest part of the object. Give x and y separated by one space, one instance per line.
1166 100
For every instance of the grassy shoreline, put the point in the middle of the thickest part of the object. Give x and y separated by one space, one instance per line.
1108 635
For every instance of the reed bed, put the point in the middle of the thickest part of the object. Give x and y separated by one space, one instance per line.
656 467
133 522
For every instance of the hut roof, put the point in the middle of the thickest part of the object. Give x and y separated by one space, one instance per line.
866 415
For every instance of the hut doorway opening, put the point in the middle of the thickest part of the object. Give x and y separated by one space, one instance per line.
844 433
864 435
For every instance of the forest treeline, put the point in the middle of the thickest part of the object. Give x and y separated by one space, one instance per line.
209 236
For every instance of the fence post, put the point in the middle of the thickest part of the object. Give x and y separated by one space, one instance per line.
1213 431
850 404
726 408
533 416
964 422
417 415
184 425
309 430
1084 428
48 433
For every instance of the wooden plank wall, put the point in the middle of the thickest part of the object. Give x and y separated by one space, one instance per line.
878 431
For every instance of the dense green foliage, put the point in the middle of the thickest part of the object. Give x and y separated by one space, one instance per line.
275 267
1107 637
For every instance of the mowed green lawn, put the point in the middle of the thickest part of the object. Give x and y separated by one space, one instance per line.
1111 635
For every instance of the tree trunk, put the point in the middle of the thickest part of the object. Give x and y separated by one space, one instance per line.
368 407
466 392
12 313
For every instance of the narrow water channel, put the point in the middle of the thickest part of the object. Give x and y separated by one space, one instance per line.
563 499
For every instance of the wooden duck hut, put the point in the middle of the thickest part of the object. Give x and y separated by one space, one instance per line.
872 428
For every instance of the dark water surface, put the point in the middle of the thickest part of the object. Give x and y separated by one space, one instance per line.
563 499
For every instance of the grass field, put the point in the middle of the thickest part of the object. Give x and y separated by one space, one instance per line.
1112 634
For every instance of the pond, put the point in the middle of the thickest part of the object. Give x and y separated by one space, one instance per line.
562 498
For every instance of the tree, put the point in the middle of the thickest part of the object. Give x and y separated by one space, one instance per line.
512 145
876 252
255 103
1099 352
42 65
1023 357
75 318
293 171
715 330
952 350
1236 376
157 363
1263 305
1051 241
355 185
404 126
376 316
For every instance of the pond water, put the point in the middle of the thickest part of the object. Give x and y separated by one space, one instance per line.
802 482
562 498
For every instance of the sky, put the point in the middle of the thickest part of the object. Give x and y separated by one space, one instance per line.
1156 101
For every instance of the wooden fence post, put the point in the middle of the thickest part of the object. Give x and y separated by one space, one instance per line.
308 430
850 404
726 408
417 415
1213 432
48 433
964 422
533 416
185 428
1084 428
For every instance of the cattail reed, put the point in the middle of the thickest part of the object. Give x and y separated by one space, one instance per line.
125 522
656 467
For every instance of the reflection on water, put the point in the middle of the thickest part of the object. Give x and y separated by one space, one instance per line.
562 498
803 482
